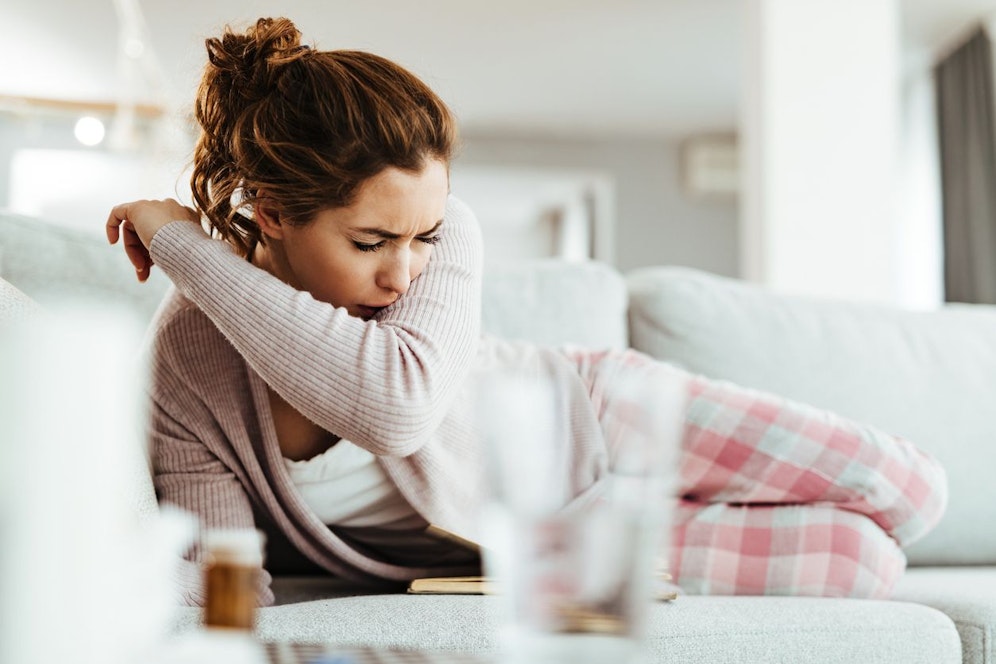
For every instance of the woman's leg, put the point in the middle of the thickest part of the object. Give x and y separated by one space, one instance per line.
746 446
751 461
814 549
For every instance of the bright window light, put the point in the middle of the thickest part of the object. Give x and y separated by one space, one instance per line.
89 131
134 48
91 182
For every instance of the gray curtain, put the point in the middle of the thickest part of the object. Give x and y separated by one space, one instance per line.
967 132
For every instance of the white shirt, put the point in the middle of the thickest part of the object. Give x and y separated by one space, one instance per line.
345 486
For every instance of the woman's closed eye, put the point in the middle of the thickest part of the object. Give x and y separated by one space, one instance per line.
368 247
426 239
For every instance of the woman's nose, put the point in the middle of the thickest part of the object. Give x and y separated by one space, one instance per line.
395 275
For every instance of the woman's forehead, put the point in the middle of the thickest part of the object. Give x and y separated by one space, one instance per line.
397 202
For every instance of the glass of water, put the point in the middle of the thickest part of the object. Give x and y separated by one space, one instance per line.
577 572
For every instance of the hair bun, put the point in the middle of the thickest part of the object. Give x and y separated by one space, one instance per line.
249 63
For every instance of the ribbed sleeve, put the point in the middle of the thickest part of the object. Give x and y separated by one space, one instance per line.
384 384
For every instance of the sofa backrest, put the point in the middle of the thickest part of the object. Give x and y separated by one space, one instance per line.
927 376
556 302
49 262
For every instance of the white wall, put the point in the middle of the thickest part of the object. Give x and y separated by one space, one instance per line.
657 224
919 230
820 134
538 213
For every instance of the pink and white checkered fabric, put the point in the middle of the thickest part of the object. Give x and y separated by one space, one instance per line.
777 497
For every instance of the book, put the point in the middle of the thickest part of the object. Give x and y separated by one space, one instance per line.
482 585
452 585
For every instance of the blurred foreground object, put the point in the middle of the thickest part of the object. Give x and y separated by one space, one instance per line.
234 562
577 580
86 575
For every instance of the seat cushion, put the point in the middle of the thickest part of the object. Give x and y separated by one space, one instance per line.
926 376
691 629
967 595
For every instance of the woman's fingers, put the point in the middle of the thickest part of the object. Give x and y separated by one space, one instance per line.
136 251
121 226
118 215
137 223
123 217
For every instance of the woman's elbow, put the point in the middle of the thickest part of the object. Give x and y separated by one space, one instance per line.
402 439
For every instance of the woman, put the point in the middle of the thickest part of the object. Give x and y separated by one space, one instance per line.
308 368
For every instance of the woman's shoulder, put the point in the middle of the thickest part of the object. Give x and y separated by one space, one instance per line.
176 315
182 335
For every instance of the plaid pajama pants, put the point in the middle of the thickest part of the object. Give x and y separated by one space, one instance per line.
774 496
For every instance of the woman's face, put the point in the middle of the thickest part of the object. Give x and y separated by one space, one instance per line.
363 257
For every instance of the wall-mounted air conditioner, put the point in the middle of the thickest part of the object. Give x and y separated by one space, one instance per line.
710 166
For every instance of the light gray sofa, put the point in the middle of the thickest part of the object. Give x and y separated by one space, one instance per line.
930 377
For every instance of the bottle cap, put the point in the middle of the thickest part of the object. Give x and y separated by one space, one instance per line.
243 546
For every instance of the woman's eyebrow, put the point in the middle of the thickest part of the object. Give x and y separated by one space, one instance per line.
388 235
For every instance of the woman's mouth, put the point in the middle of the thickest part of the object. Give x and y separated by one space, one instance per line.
366 313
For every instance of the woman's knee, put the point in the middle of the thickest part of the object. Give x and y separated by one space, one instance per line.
815 550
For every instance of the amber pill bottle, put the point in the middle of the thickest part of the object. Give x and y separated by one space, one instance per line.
233 563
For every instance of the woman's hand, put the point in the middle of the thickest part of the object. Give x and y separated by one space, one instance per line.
139 221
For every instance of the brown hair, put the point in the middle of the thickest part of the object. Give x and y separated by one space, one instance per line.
306 127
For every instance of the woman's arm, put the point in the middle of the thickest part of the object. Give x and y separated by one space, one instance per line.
383 384
188 475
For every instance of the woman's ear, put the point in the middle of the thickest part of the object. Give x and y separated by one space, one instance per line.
268 218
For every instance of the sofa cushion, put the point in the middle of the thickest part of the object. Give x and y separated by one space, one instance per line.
691 629
556 302
49 263
927 376
14 305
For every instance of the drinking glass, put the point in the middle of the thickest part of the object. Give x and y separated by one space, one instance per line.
577 571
